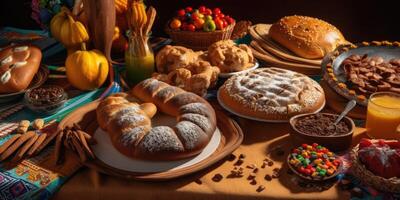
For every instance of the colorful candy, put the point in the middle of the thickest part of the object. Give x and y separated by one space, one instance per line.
314 160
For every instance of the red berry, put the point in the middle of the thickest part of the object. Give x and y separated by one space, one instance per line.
222 16
202 9
217 11
230 20
181 13
191 27
188 9
225 23
184 26
195 17
208 12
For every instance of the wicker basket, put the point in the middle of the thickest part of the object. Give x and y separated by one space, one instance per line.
366 176
199 40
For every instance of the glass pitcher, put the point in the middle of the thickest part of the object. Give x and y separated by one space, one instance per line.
139 59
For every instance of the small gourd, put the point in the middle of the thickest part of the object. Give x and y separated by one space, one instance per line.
86 70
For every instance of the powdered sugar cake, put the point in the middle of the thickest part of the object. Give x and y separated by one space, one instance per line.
271 94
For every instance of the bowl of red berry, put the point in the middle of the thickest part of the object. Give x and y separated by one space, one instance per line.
314 162
199 28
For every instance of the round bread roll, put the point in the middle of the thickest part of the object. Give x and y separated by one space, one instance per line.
307 37
18 66
128 123
271 94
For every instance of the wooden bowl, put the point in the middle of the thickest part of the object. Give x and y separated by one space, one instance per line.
333 142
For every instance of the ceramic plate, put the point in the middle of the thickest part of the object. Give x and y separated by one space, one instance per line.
109 155
227 75
386 52
39 78
225 140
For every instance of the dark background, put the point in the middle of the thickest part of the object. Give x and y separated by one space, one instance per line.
358 20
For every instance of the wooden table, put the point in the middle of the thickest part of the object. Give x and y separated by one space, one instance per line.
260 138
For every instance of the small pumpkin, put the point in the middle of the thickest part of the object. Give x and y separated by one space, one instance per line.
86 70
67 30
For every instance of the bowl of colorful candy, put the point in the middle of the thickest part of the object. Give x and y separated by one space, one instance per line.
314 162
199 28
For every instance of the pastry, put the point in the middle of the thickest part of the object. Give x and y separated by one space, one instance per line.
129 126
271 94
377 163
182 67
174 57
307 37
230 57
18 66
196 78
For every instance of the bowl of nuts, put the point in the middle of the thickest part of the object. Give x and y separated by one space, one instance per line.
45 99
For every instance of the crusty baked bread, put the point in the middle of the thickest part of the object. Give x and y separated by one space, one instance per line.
306 36
230 57
271 94
129 123
196 77
18 66
182 67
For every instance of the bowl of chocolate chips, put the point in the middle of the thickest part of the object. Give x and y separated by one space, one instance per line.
46 99
320 128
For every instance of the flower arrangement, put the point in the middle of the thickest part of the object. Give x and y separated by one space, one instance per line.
44 10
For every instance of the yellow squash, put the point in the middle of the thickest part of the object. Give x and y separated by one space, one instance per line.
67 30
86 70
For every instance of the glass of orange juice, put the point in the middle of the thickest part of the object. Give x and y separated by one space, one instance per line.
383 116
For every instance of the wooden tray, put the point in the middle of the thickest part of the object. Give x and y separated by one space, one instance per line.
231 138
337 102
259 33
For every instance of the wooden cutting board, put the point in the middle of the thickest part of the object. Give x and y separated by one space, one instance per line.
259 33
265 56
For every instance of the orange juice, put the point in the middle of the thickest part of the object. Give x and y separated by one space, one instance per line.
383 115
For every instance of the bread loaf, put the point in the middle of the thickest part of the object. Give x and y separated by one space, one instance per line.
130 129
307 37
18 66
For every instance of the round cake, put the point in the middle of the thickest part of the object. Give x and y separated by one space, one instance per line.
271 94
